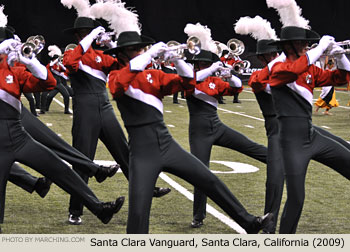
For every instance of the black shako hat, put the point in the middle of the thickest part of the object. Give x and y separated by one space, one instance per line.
130 38
204 55
5 33
290 33
263 46
82 23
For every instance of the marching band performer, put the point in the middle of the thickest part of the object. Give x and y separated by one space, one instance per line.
292 81
93 114
58 70
205 127
16 143
260 29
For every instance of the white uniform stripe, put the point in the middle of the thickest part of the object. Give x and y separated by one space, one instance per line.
302 91
96 73
206 98
11 100
149 99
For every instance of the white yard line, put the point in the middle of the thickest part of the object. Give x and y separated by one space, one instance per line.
229 222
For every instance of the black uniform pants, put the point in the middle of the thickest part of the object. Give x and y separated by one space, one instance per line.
300 142
206 131
93 119
153 150
44 135
22 178
61 89
274 172
17 145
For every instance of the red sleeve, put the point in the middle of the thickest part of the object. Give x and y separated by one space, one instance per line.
286 72
224 87
330 78
31 84
119 80
71 59
173 83
259 79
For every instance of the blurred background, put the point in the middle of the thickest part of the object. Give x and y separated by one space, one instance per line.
166 20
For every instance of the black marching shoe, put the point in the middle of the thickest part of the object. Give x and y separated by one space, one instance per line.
106 171
74 219
260 223
160 192
109 209
42 186
68 113
196 223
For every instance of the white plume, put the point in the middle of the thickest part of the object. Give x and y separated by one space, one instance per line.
82 7
203 33
256 27
289 12
119 17
3 17
54 50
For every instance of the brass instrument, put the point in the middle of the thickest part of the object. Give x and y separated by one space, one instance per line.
70 47
343 44
236 47
193 45
104 37
32 46
67 48
240 66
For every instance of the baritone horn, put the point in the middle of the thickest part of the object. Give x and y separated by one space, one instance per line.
70 47
67 48
239 66
33 46
235 46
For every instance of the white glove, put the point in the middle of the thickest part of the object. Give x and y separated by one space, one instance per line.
87 41
235 82
170 56
8 45
205 73
157 49
315 53
183 69
336 51
140 62
33 65
343 62
110 44
15 36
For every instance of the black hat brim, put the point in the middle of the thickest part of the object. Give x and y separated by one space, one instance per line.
145 41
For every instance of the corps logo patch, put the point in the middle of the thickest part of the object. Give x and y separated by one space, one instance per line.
9 79
98 59
308 79
149 78
212 85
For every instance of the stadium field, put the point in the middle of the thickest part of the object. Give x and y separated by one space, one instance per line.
326 208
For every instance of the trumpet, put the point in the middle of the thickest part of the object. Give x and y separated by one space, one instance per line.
343 44
32 46
193 45
104 37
